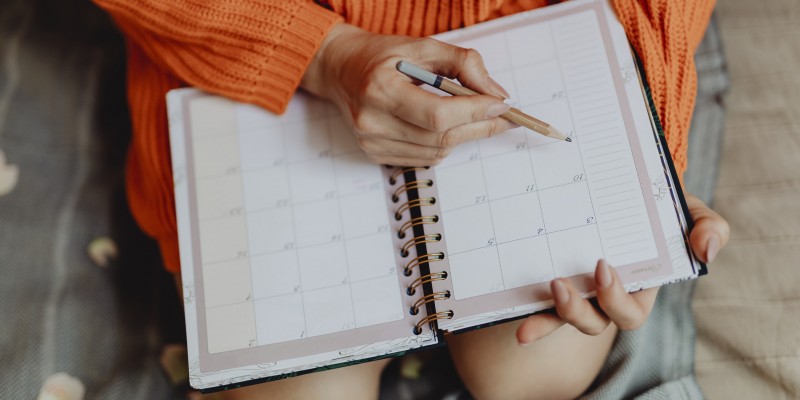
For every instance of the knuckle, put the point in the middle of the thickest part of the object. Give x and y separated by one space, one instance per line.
444 152
436 155
417 43
366 89
373 87
439 141
568 314
471 57
365 144
629 324
437 119
498 126
595 330
362 124
493 127
448 140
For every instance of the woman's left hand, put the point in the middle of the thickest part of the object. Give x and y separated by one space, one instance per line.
626 310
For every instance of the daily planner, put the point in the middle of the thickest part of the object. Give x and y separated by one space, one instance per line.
298 254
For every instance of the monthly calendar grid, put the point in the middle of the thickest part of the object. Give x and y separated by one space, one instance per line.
320 243
595 122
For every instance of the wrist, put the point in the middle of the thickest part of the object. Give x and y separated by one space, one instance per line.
325 66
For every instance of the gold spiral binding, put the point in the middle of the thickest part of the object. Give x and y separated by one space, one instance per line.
418 184
427 278
433 317
427 299
400 171
422 201
417 240
425 258
401 233
432 238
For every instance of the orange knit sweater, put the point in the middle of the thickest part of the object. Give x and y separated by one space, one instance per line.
257 51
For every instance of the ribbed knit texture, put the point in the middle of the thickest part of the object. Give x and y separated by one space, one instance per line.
256 51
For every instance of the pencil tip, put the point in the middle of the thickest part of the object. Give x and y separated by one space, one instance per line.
568 139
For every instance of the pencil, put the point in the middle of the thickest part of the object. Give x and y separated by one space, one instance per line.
514 115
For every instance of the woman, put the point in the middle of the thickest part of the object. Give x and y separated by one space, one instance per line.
260 51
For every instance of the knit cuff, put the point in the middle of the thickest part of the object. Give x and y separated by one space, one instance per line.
300 39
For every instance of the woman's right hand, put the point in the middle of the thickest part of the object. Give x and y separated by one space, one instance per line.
395 121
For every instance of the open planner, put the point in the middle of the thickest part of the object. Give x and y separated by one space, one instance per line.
298 254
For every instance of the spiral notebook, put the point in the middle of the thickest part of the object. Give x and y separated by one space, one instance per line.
298 254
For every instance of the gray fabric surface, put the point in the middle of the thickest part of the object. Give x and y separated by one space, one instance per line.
63 122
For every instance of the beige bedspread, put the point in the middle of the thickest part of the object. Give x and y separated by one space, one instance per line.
748 309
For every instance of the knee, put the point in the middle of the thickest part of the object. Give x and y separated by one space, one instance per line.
561 366
548 386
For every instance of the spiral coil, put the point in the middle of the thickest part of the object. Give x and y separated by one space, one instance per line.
423 184
422 201
427 278
413 242
427 299
416 239
401 233
425 258
430 318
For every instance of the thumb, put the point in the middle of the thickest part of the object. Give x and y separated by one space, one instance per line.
710 232
537 326
466 65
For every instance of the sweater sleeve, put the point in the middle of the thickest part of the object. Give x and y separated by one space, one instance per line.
253 51
665 34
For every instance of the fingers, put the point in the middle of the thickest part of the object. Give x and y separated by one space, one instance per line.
536 327
385 105
710 233
575 310
627 310
442 113
466 65
400 149
390 140
401 161
477 130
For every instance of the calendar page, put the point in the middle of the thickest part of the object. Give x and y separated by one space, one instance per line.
520 209
287 254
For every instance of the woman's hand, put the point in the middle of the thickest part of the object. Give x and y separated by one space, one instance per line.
397 122
626 310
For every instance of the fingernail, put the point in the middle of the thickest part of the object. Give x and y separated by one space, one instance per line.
524 344
603 275
495 110
712 247
560 292
497 88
